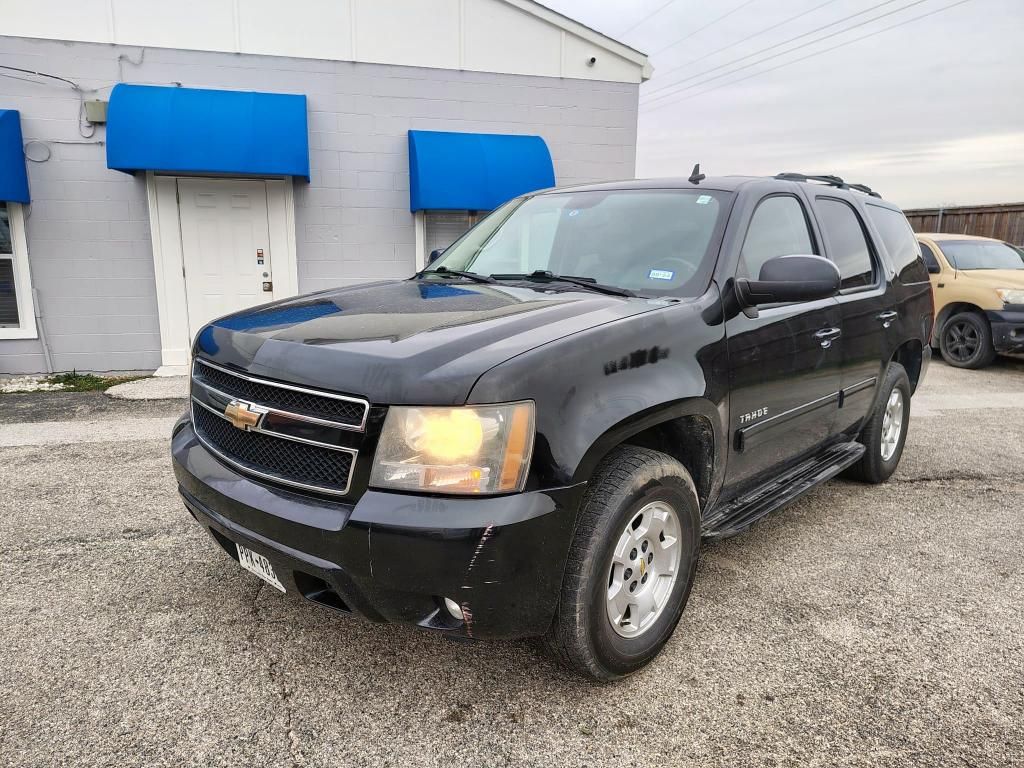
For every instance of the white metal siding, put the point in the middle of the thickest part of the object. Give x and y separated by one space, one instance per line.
505 36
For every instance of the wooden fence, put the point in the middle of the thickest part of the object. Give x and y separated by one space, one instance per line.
1003 222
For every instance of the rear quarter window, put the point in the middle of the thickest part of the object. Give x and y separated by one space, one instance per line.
900 243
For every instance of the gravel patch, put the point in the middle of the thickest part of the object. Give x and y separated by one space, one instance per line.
860 626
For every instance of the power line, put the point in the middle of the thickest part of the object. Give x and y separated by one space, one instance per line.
815 53
842 31
767 48
650 15
745 39
712 23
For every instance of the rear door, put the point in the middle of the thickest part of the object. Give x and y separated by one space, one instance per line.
866 303
785 362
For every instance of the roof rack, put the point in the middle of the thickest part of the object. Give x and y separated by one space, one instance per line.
832 181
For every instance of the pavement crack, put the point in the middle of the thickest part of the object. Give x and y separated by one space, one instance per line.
254 609
959 477
278 681
294 745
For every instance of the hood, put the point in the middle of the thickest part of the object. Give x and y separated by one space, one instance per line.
406 342
997 278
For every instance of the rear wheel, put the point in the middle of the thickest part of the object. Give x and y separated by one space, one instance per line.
966 341
885 432
631 565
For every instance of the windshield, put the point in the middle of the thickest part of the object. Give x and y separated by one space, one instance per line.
981 254
650 241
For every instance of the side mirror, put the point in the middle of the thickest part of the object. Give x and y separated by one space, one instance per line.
435 255
934 269
787 279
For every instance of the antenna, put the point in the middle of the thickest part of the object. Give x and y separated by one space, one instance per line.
696 177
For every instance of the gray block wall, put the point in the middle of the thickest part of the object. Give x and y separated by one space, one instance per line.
88 227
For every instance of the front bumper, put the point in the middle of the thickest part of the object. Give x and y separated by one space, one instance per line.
391 556
1007 329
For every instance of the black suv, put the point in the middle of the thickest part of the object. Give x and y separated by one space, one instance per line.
531 436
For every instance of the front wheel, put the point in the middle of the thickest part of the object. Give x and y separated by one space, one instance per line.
631 565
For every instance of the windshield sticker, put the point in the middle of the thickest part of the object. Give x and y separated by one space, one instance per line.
703 199
660 274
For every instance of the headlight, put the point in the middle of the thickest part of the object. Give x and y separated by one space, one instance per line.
472 449
1011 295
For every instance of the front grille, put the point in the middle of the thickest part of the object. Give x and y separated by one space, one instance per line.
350 412
276 458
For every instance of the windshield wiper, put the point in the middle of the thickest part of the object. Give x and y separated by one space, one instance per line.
444 271
584 282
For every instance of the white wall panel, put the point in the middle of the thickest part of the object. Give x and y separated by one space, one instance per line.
287 28
409 32
203 25
87 20
502 36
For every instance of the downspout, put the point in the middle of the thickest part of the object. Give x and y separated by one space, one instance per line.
40 327
36 303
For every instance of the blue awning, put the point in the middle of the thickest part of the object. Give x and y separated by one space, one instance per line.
155 128
474 171
13 178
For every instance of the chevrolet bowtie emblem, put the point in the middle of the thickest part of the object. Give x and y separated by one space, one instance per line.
242 415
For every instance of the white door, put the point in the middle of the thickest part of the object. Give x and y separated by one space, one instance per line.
443 229
225 242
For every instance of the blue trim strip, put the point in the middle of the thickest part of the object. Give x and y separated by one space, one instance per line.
13 177
474 171
155 128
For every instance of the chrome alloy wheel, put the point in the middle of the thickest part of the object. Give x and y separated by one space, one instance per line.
645 565
892 424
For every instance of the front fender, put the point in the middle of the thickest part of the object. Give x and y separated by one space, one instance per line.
600 386
633 425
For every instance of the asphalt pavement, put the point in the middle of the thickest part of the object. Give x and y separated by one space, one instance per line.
861 626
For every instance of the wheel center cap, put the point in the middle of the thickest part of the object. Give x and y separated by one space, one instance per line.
643 566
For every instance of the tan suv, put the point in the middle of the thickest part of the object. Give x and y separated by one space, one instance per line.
978 284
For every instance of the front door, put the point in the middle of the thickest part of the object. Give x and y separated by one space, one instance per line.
225 241
784 364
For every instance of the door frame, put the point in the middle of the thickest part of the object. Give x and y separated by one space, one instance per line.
169 258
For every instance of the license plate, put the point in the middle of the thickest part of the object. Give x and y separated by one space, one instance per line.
256 563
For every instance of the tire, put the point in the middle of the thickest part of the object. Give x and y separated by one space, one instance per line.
877 464
966 341
631 484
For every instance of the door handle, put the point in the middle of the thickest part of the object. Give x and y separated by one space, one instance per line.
888 317
827 335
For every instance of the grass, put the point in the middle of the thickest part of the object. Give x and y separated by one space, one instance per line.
84 382
88 382
73 381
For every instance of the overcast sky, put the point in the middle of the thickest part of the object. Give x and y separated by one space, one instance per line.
929 113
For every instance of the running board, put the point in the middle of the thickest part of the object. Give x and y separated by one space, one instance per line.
740 513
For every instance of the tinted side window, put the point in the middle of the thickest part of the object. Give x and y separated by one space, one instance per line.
930 259
900 243
847 245
777 228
